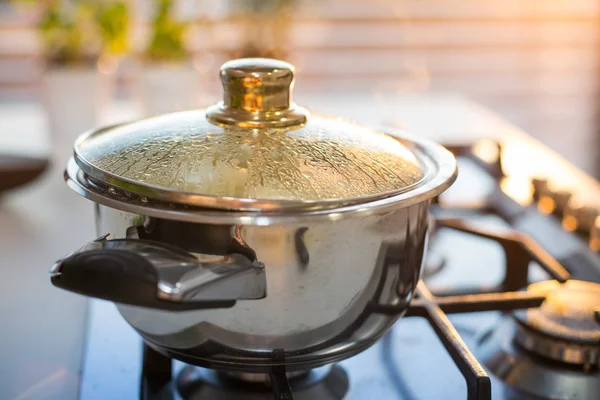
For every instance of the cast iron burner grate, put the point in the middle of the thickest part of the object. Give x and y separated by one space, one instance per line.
519 250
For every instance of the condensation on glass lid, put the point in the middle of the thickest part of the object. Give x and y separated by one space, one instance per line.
325 159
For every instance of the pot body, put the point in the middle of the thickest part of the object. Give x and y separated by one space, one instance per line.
323 277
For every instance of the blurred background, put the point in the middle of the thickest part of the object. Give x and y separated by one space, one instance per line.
534 62
67 66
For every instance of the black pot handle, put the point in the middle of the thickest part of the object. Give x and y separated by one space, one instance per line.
150 274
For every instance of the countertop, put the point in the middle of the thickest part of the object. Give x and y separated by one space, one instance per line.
43 329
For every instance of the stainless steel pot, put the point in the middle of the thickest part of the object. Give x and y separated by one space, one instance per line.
249 284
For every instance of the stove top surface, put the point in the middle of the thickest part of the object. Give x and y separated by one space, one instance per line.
410 362
415 360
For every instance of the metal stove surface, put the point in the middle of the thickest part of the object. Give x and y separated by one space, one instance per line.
408 363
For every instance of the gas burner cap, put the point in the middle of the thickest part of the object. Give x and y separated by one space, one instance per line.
564 328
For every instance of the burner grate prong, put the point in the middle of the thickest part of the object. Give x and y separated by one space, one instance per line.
157 371
478 382
519 248
281 384
520 251
505 301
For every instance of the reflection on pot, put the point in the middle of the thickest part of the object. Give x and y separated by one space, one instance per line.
301 249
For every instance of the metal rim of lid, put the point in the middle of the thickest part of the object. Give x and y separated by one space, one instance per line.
440 171
546 334
431 157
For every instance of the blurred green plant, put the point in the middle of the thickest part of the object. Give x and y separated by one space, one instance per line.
79 32
113 23
66 34
168 35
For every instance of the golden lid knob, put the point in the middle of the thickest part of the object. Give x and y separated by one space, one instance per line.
257 94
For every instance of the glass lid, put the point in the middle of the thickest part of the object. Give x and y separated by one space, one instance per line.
254 150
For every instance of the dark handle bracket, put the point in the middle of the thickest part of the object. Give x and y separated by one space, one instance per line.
121 276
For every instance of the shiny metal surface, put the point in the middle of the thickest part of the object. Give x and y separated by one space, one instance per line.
190 277
563 328
439 168
184 159
568 352
325 383
352 262
530 376
315 373
337 256
257 94
349 259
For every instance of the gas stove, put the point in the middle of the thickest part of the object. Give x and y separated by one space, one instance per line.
508 308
